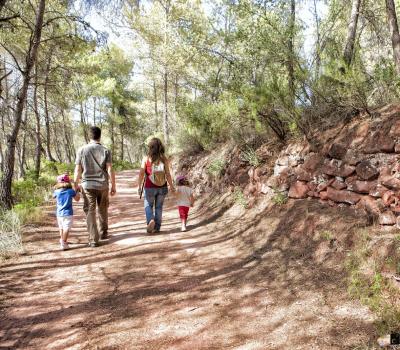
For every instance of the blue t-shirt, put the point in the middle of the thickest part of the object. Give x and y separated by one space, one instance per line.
64 201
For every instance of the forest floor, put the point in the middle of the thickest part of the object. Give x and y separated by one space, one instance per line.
231 282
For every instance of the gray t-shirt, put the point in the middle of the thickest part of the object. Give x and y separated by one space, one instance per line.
93 158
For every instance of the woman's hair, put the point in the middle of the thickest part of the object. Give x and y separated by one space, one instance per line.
156 150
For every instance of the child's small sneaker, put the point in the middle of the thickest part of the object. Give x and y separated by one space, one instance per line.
183 229
64 245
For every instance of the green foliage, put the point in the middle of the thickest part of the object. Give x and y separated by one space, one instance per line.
50 168
216 167
373 290
280 198
249 155
326 235
120 165
239 197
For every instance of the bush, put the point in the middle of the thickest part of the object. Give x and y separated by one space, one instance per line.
216 167
249 155
30 194
239 197
10 234
280 198
120 165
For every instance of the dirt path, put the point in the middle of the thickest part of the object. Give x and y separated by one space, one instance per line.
231 282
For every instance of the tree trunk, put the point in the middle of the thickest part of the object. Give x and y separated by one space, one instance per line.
6 179
94 111
351 33
394 29
112 136
83 123
49 156
22 158
121 129
38 141
165 116
155 103
292 23
67 139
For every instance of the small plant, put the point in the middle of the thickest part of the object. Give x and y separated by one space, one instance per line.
326 235
216 167
239 197
280 198
10 234
249 155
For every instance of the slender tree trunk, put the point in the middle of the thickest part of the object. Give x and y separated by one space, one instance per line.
122 142
155 103
49 156
38 139
83 123
291 58
94 111
394 29
6 179
22 158
165 116
67 140
351 32
112 138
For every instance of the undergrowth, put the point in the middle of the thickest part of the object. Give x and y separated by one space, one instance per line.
10 234
372 288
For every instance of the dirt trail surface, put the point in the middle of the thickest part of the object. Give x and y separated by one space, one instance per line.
231 282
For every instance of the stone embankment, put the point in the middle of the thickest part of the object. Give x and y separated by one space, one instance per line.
356 164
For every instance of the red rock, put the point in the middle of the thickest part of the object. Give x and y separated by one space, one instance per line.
396 209
322 187
386 144
378 191
337 168
366 171
397 223
338 185
353 157
390 182
397 148
242 177
312 186
370 205
343 196
313 162
331 203
362 186
312 194
298 190
371 145
395 129
323 195
337 151
387 218
302 175
273 181
388 198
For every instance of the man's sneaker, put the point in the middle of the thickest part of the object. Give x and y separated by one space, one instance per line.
104 236
150 226
93 244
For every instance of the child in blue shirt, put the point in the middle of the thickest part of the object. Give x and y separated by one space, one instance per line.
64 195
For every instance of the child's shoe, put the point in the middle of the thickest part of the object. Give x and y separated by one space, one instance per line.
183 228
64 245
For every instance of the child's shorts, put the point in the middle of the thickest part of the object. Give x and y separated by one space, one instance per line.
64 222
183 212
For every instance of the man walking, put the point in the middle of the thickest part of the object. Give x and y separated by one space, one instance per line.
94 166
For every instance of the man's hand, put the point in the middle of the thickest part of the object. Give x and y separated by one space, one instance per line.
113 190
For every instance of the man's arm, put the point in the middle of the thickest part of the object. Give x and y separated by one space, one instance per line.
111 175
77 176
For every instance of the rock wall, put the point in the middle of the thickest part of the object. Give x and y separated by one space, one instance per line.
356 164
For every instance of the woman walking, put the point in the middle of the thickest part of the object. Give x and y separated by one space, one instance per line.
155 172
